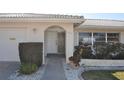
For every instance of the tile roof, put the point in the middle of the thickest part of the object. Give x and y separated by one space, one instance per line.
102 24
33 15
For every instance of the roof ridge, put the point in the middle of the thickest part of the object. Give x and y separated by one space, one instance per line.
35 15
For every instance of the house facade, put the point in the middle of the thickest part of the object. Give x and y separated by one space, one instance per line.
59 33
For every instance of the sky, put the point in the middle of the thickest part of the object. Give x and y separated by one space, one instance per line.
113 16
105 9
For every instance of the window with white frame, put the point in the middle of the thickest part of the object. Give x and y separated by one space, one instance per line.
85 38
99 38
91 38
112 37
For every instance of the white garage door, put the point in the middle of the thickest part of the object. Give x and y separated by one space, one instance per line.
9 39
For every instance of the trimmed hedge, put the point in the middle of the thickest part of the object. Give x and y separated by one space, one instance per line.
31 53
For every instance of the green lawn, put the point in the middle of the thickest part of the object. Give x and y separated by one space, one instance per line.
103 75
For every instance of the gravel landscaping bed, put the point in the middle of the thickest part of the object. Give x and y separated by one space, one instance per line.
72 73
35 76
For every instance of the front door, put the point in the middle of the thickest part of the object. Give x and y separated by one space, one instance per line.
52 42
61 42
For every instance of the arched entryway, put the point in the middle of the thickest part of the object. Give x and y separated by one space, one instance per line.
54 40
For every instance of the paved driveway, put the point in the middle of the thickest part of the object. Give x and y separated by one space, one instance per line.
7 68
54 69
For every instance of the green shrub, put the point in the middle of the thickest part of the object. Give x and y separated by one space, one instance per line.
28 68
80 52
120 55
99 51
109 51
86 52
31 53
102 50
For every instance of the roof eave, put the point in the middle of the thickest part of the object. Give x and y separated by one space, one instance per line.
91 27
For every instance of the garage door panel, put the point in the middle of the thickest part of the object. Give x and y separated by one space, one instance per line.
9 39
9 52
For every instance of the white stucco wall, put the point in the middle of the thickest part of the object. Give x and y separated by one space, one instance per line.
76 38
69 42
122 37
35 33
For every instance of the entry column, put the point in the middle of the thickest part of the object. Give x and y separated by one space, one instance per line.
69 44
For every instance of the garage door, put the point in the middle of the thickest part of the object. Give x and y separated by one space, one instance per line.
9 39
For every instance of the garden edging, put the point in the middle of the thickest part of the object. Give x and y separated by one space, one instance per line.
101 62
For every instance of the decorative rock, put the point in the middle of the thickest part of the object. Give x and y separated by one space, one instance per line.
35 76
71 73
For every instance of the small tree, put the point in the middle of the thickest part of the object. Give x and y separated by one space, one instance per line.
75 59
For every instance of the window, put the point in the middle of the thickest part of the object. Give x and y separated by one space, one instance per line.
99 37
113 37
91 38
85 38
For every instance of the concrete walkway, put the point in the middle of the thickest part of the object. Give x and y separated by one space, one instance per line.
7 68
54 69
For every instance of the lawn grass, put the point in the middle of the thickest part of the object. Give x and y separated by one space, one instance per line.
103 75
